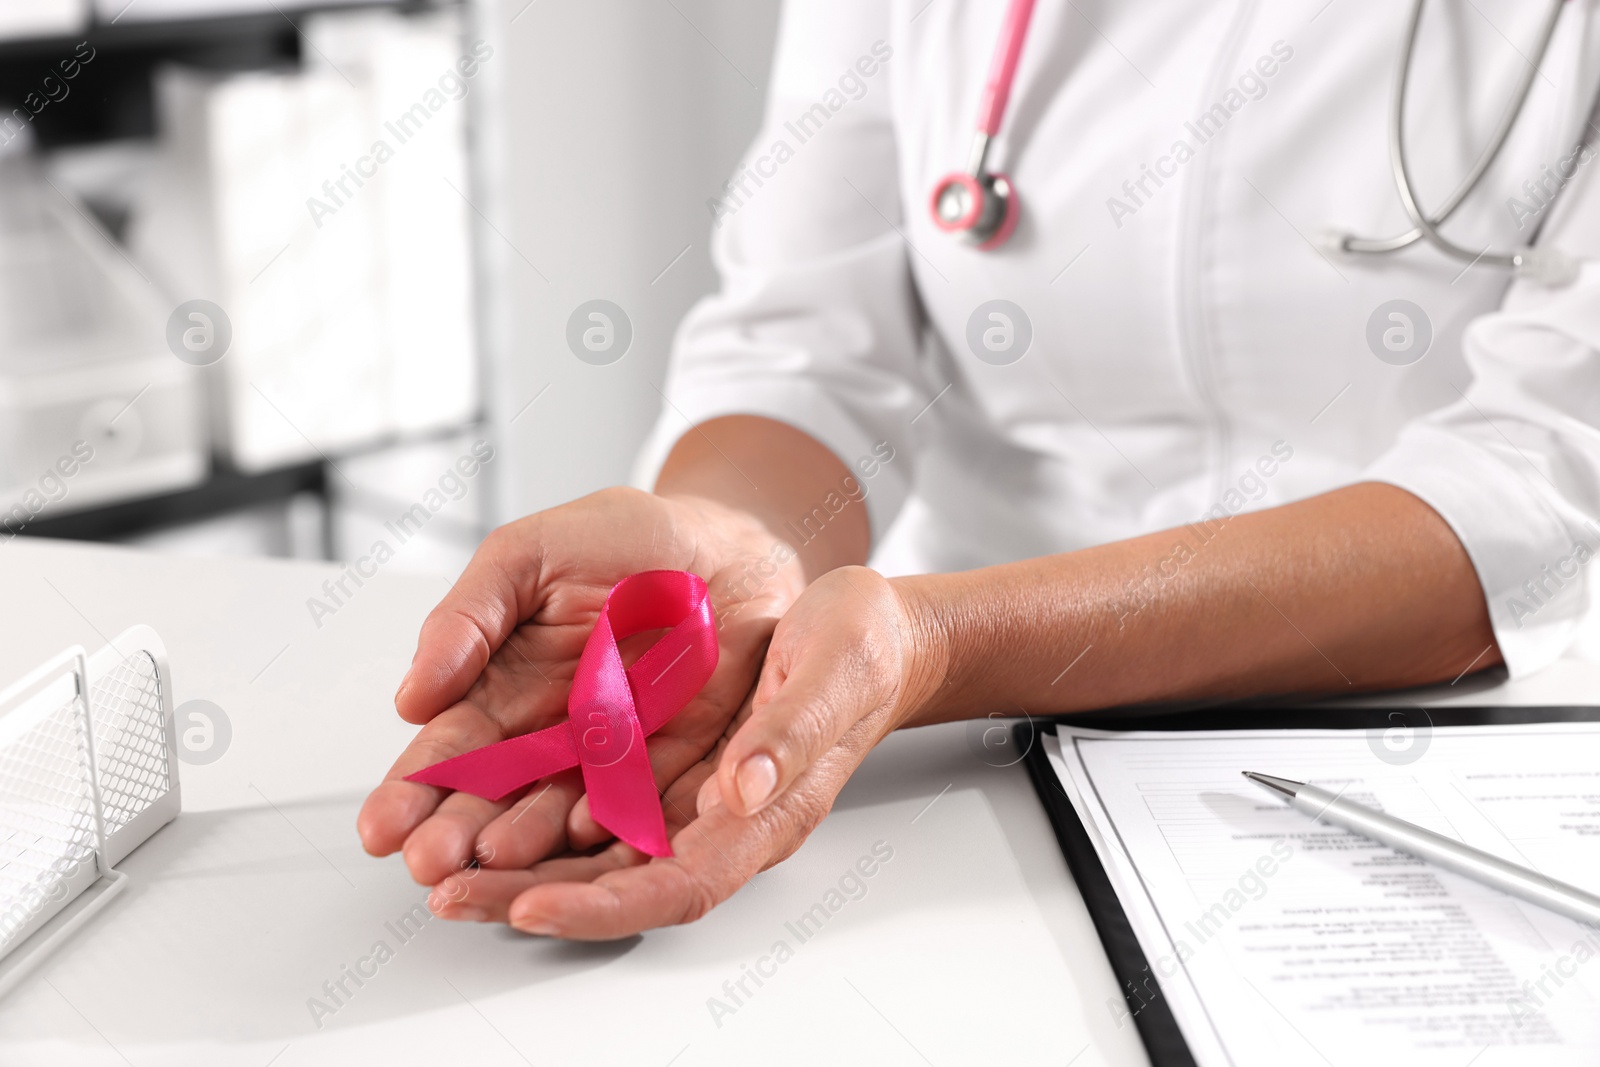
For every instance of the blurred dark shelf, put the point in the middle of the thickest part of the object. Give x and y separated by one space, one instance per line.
174 33
111 95
223 492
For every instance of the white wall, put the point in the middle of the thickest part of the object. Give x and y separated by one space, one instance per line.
608 125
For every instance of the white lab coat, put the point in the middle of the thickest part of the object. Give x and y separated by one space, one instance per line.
1192 348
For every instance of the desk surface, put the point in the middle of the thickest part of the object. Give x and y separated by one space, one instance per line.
256 931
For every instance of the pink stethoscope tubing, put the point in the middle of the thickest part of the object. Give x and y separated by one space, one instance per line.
989 201
1003 69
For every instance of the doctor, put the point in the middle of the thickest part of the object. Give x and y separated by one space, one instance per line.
1134 407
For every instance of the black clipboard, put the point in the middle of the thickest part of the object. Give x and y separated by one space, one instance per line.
1141 989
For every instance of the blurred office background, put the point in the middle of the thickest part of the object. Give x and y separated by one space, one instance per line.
387 213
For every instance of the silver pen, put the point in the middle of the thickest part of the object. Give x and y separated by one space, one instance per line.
1445 852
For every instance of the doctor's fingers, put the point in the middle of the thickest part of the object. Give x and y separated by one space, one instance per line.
452 838
670 759
498 590
486 894
716 854
518 839
836 661
397 808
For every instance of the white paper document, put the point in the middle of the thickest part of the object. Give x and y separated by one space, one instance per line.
1275 939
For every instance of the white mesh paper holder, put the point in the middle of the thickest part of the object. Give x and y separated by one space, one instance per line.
88 771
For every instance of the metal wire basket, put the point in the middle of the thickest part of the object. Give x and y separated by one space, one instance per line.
88 771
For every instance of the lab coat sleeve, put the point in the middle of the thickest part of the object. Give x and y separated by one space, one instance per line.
817 322
1514 465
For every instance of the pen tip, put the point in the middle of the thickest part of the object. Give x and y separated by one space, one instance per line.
1277 785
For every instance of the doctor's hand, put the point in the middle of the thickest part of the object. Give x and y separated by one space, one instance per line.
496 658
857 656
847 664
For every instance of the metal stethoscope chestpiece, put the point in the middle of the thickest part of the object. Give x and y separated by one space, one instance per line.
981 207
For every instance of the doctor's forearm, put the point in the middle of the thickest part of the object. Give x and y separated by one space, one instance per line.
1362 588
778 475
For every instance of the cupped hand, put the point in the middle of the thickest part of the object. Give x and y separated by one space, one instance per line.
848 663
496 658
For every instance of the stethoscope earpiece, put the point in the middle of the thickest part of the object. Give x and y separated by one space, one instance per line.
1330 241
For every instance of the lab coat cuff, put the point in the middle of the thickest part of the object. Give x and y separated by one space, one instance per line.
879 469
1530 563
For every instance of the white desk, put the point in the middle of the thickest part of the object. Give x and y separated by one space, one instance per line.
970 946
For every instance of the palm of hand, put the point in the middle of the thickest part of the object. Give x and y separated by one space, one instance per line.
833 682
542 588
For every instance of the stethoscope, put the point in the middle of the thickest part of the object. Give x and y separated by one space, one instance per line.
1550 266
978 205
981 206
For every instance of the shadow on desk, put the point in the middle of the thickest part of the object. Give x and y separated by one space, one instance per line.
272 923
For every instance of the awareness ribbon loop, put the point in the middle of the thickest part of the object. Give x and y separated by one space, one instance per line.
610 710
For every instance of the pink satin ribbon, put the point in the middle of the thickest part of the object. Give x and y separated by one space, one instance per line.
610 711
